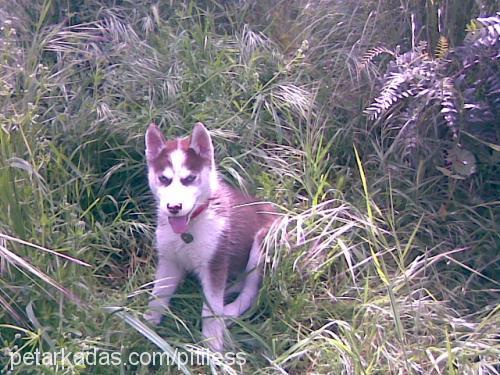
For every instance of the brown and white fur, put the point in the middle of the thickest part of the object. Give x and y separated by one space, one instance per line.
226 232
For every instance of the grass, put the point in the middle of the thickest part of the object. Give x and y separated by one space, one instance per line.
377 266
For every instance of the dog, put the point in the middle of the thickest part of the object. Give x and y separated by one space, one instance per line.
204 227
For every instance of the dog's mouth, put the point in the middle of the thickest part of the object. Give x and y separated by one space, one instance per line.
179 224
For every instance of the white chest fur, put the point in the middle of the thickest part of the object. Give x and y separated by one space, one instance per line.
195 256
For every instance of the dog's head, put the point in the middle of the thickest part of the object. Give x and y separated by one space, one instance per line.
181 173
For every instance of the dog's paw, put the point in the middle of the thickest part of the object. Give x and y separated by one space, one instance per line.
232 310
152 317
213 333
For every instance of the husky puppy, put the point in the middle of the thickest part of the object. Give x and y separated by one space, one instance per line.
205 227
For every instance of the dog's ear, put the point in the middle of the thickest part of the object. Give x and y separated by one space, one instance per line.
201 142
155 141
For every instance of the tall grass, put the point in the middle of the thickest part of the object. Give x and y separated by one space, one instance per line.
376 266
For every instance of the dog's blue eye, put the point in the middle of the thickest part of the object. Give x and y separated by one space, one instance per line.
188 180
165 180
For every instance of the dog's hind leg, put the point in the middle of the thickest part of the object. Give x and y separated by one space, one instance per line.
252 281
213 326
233 289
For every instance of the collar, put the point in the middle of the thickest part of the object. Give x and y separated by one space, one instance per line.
199 210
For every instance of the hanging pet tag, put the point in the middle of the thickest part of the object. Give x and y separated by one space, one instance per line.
187 237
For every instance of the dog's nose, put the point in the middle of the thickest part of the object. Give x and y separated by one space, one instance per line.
174 209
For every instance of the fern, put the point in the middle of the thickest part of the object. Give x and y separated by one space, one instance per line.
419 91
449 105
442 48
483 31
407 75
408 135
391 93
373 53
478 77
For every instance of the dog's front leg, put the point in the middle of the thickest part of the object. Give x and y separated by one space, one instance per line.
213 329
168 276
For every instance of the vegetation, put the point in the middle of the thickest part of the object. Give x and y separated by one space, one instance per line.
383 163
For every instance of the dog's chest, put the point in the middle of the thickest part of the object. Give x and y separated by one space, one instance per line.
194 256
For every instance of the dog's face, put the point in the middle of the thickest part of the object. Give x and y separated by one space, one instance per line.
181 173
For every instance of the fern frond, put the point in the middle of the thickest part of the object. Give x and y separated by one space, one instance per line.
442 48
483 31
391 92
374 52
489 21
449 106
473 26
407 76
408 133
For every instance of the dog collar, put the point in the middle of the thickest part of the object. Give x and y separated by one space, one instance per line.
199 210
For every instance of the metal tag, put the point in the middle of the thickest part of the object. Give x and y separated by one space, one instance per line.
187 237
